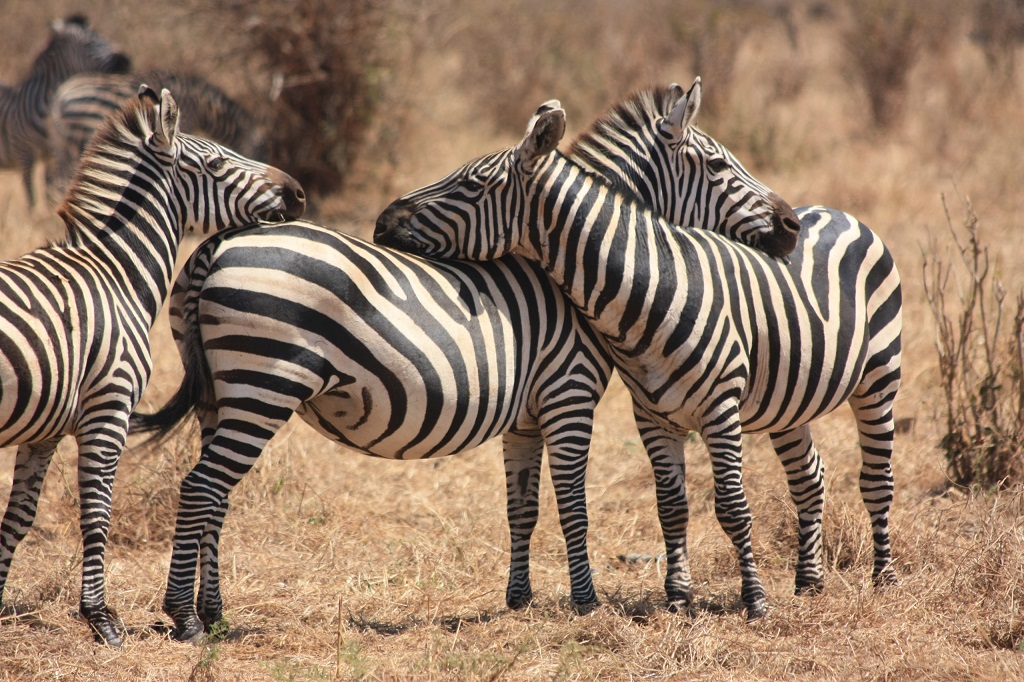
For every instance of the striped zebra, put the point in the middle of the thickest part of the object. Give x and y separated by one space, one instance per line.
82 102
73 48
395 356
75 316
708 336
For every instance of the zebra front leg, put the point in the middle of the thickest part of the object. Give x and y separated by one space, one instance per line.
806 480
523 454
98 456
876 428
30 465
723 437
568 441
666 453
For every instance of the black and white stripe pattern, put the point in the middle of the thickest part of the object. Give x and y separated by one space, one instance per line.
73 48
75 316
709 336
83 101
394 355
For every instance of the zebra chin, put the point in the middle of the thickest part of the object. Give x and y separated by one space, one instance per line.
394 230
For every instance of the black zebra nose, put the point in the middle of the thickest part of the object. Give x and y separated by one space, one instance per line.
291 191
390 222
785 228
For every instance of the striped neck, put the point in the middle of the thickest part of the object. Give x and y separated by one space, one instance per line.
122 213
598 245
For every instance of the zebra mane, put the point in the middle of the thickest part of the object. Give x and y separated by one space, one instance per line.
97 182
637 112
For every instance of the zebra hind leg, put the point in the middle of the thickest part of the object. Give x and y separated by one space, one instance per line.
806 480
666 454
33 459
210 604
523 454
876 429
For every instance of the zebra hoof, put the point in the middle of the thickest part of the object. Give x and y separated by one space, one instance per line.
105 626
683 606
757 610
583 608
886 578
518 602
188 629
808 588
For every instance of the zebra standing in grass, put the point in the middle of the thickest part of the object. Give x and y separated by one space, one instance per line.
75 316
83 101
73 48
399 357
708 336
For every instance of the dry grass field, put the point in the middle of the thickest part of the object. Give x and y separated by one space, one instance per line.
337 565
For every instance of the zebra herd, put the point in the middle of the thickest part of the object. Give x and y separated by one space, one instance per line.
762 319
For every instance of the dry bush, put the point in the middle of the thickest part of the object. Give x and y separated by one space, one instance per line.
980 369
999 30
325 67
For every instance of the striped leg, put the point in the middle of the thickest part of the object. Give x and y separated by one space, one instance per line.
98 455
230 453
523 454
666 454
209 603
568 440
876 428
33 459
723 438
805 476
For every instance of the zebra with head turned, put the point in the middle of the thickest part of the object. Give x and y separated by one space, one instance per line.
83 101
398 357
73 48
708 336
75 316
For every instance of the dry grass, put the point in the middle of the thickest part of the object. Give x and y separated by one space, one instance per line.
412 556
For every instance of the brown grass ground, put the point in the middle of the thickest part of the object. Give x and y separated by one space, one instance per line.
337 564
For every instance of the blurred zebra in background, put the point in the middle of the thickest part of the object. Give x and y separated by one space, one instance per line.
82 102
73 48
708 336
75 316
403 358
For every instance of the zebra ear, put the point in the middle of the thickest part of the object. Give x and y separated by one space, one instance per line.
543 133
166 121
682 114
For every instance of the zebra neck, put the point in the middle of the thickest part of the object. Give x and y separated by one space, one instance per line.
131 232
617 262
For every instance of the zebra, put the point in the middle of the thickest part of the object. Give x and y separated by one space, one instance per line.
708 336
395 356
83 101
73 48
74 351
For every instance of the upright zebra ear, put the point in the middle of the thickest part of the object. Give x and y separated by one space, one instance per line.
543 133
682 114
165 129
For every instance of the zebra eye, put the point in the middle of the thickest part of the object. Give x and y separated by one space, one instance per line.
472 186
216 163
716 164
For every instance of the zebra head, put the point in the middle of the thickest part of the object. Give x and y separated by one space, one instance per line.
214 186
75 48
649 147
475 212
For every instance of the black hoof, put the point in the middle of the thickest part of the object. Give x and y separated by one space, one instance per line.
809 588
885 579
517 602
582 608
683 606
105 626
757 610
188 629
